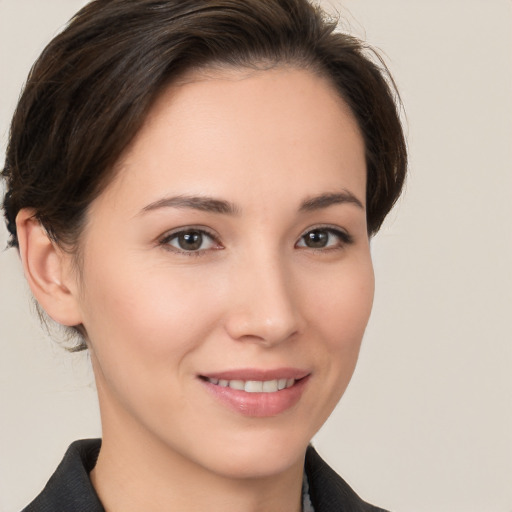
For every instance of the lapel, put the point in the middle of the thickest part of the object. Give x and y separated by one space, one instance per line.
328 491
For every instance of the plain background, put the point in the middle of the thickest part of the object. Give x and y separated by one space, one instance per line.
426 424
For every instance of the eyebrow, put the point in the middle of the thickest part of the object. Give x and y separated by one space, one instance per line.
205 204
326 200
210 204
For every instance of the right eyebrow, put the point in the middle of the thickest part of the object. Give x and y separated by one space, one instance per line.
329 199
202 203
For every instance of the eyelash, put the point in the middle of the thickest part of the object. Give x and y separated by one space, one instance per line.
166 240
343 237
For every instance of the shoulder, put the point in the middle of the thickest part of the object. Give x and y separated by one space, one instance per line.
70 488
328 491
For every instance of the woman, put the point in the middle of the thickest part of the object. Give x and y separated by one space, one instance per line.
192 186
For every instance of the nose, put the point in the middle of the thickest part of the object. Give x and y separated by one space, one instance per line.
263 307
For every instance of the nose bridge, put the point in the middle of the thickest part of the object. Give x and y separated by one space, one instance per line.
264 307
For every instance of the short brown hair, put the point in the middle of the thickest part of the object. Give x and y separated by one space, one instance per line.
89 92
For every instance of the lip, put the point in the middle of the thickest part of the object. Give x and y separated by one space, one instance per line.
257 405
258 374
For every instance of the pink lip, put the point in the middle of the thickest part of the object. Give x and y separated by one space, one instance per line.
258 405
258 374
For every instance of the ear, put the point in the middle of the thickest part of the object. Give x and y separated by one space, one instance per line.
48 270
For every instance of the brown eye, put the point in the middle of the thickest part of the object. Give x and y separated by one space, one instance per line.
324 238
316 239
191 240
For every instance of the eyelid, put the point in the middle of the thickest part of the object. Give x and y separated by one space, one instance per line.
169 235
345 237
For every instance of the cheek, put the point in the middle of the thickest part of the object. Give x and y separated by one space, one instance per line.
340 306
142 326
154 313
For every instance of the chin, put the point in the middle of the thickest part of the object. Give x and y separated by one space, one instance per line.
258 456
259 464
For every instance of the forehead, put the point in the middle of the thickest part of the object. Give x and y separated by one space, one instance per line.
284 126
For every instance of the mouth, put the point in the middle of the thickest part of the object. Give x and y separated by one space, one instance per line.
257 393
253 386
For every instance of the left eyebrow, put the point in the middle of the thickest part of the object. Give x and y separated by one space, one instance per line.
205 204
326 200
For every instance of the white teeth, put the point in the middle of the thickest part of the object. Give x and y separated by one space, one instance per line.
269 386
255 386
237 384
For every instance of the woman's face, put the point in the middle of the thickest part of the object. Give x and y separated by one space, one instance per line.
230 252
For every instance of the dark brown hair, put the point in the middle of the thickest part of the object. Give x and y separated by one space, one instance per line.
90 90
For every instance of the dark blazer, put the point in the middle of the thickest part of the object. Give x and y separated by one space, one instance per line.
70 490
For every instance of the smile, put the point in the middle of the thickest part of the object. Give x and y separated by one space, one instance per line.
257 393
254 386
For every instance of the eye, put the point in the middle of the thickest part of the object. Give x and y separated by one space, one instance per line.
190 240
324 238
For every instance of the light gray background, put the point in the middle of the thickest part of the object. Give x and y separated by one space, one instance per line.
426 424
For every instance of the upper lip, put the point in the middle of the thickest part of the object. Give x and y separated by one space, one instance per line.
257 374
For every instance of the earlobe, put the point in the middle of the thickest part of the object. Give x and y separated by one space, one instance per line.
46 269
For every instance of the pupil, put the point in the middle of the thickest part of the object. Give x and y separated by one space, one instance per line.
190 241
316 239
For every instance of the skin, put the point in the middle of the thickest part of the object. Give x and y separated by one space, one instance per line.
254 295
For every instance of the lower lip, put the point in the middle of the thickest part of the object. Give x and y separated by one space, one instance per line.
258 405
